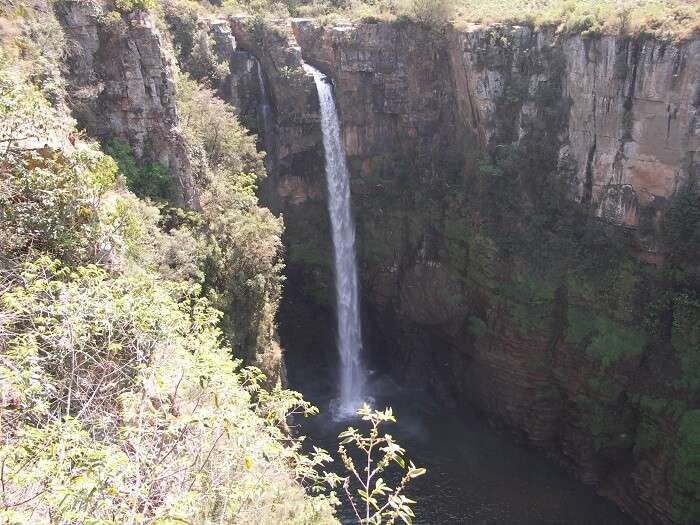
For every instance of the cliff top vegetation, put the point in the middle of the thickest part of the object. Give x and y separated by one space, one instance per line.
677 19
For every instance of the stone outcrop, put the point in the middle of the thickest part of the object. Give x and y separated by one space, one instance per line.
631 132
122 85
294 138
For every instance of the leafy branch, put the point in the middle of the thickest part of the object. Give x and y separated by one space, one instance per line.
379 503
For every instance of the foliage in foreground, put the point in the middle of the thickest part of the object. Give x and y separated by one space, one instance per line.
121 406
119 400
379 502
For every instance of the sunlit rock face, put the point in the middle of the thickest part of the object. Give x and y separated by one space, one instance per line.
122 84
460 296
627 109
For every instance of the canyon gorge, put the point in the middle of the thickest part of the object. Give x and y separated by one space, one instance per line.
526 206
513 191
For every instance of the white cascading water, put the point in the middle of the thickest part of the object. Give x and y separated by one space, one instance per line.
266 124
352 375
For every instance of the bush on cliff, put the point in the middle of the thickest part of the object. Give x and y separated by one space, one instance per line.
686 473
146 180
433 13
243 266
128 6
119 402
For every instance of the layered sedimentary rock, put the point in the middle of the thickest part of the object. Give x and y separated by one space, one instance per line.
294 134
632 127
122 85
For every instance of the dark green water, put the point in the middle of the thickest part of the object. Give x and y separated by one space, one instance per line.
475 476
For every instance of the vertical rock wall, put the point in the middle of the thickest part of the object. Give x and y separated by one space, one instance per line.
122 85
632 124
480 281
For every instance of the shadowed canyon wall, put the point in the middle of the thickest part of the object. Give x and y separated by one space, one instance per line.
527 218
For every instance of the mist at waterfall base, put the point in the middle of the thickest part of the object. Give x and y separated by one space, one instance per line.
352 392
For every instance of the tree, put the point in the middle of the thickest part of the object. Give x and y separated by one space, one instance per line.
379 502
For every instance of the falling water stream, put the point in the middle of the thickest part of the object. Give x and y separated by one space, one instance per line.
352 375
475 477
265 116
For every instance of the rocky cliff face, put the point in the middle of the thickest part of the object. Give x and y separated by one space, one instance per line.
293 132
626 109
122 85
631 125
518 198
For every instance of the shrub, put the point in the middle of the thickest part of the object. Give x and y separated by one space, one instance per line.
203 64
685 338
605 340
146 179
181 18
434 13
50 203
686 469
380 502
125 408
243 264
128 6
612 342
681 224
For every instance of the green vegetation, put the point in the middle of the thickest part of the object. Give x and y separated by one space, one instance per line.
128 6
477 327
681 224
124 325
120 401
203 63
608 417
666 18
685 338
115 373
686 473
242 264
146 180
589 17
605 340
381 503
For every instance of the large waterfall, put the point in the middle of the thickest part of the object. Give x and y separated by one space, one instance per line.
352 375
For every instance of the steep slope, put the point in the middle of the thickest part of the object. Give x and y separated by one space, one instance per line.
122 395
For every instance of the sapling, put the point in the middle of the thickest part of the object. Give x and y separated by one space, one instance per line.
373 501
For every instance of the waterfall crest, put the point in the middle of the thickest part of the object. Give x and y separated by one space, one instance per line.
352 375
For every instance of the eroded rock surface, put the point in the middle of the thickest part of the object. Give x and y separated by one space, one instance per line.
122 85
